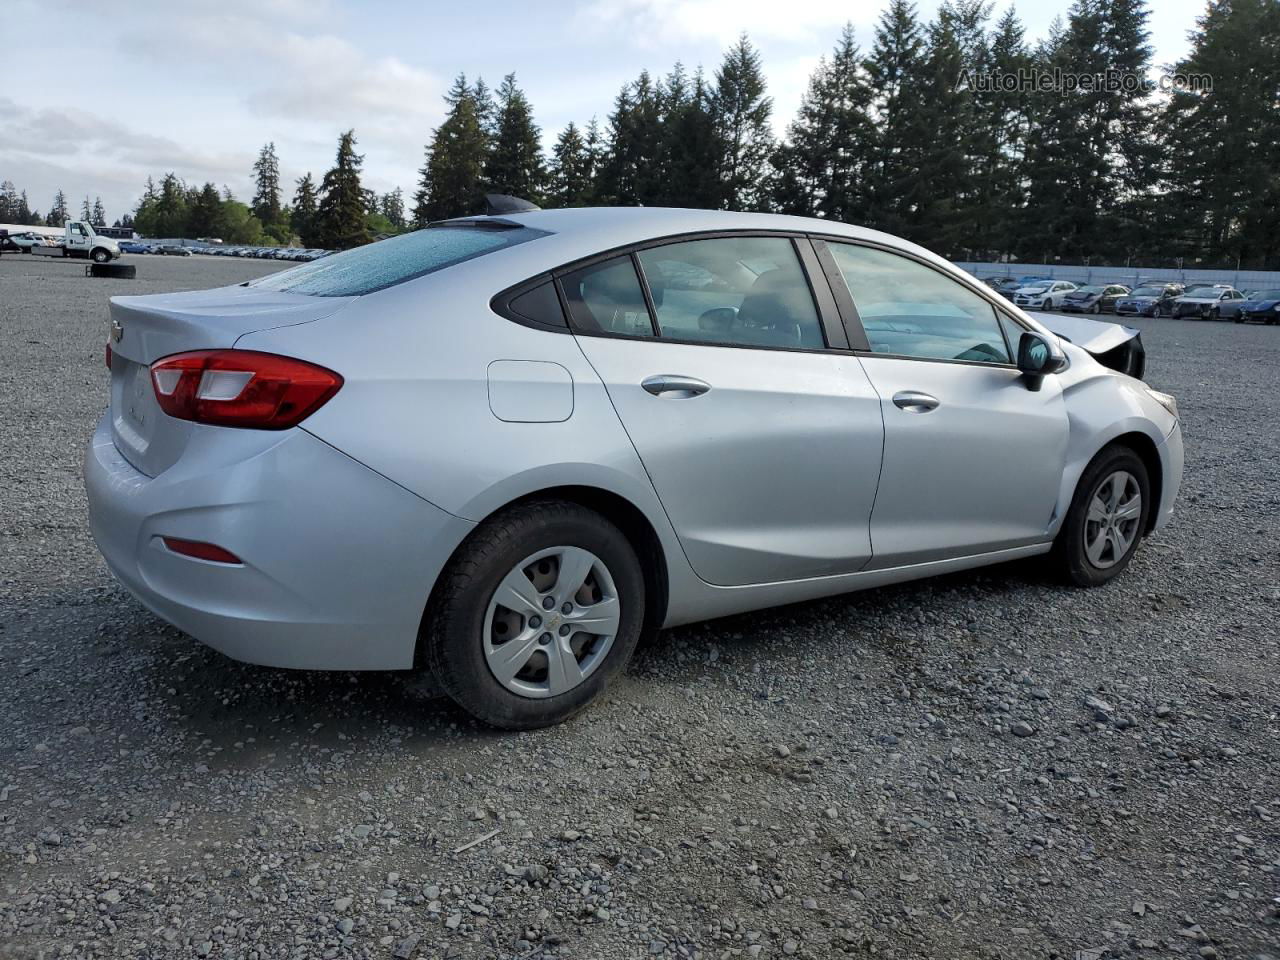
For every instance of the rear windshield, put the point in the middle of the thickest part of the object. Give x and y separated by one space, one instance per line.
377 266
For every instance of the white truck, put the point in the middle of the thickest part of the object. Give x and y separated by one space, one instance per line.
79 240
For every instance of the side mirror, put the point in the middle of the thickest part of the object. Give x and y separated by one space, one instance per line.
1038 357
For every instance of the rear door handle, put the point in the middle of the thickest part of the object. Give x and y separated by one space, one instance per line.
913 401
674 386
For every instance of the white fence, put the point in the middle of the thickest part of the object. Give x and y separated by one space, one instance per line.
1080 274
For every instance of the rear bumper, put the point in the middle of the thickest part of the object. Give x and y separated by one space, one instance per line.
338 560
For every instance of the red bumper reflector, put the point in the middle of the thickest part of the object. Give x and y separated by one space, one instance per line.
201 551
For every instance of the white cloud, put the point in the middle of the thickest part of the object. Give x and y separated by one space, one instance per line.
655 23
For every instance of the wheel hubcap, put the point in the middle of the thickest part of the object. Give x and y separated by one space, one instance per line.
551 622
1111 524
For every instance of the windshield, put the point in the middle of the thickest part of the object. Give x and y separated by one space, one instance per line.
376 266
1038 286
1088 290
1148 292
1266 295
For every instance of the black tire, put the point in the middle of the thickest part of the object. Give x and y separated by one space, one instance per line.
1068 558
1215 314
100 255
451 641
1096 309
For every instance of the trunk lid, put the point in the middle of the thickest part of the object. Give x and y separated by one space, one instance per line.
144 329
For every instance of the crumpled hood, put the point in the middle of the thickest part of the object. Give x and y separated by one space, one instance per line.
1095 336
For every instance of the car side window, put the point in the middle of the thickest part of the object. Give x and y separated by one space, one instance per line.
607 298
911 310
744 291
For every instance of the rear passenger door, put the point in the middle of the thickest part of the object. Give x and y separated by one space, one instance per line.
762 442
973 460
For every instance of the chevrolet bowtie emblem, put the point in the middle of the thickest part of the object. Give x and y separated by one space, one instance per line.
117 330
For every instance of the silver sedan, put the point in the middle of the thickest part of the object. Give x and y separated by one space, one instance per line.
501 448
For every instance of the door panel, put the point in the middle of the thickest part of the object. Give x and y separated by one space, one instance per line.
978 471
768 475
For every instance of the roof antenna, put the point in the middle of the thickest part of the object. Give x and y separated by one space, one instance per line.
496 204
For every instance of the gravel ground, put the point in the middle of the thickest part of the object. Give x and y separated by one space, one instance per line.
986 765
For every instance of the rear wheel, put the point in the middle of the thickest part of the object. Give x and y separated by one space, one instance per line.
537 612
1106 520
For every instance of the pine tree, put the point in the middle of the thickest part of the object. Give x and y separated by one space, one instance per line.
304 211
514 164
1133 148
1224 185
1005 115
629 172
935 175
58 213
266 175
822 165
451 177
205 217
743 110
892 66
86 211
486 108
99 218
1068 191
688 136
571 170
8 202
392 207
24 214
341 212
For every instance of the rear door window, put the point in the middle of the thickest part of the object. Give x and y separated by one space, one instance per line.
743 291
376 266
607 298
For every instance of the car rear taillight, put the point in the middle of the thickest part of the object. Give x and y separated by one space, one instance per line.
241 388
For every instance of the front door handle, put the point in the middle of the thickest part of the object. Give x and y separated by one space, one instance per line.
674 386
913 401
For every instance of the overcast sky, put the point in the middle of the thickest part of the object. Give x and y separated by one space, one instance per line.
98 96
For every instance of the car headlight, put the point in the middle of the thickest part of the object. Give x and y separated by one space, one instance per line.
1276 308
1168 401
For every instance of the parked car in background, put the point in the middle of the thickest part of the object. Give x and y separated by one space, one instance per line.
1149 300
134 246
1007 287
1205 303
23 242
1043 294
519 546
1261 306
173 250
1094 298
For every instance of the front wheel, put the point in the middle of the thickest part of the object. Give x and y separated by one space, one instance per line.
101 256
535 614
1106 520
1096 309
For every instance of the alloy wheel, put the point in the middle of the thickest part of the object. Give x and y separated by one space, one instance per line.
551 622
1111 524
